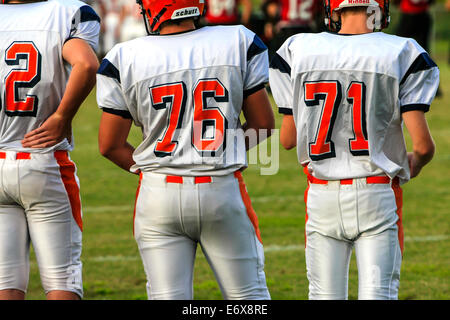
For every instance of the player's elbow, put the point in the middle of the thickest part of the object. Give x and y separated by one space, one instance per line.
90 67
288 135
105 149
426 150
105 152
288 142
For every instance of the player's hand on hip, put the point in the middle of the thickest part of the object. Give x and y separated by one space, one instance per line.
51 132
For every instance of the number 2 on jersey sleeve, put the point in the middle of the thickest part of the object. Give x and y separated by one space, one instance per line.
18 78
331 93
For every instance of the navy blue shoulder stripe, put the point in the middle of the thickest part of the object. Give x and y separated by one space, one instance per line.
415 107
285 111
109 70
256 48
422 62
251 91
88 14
279 63
123 113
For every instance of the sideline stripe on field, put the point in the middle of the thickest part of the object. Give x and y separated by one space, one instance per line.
268 249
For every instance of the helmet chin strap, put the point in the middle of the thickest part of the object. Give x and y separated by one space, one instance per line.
333 26
146 22
336 25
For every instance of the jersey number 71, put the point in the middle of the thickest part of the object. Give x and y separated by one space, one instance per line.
331 92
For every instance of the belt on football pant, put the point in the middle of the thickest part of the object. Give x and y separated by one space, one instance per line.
19 155
27 155
198 179
369 180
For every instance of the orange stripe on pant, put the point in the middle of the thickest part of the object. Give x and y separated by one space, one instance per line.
305 171
248 204
137 195
67 171
398 192
306 208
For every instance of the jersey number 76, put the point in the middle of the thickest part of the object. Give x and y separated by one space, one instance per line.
173 96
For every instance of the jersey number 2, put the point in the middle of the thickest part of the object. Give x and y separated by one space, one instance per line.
18 78
331 93
173 96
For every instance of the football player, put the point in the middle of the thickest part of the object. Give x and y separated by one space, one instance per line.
47 68
345 97
186 88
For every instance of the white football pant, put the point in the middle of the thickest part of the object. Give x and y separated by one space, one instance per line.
361 215
175 213
40 204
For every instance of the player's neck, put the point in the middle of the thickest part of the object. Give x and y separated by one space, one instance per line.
186 25
354 23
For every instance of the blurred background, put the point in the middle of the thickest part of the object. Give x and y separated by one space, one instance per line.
112 268
427 21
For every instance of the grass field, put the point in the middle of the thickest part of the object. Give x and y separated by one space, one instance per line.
113 269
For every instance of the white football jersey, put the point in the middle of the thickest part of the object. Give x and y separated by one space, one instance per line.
185 91
33 74
346 94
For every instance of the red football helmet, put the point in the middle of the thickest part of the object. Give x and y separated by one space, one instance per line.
332 6
156 12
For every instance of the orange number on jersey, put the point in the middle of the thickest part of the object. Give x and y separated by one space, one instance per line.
175 95
356 95
26 77
331 93
209 117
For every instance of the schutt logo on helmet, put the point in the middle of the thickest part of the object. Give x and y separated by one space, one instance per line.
186 12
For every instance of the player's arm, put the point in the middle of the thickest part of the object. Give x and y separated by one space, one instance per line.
84 62
422 143
112 140
418 87
259 116
288 132
281 85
